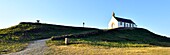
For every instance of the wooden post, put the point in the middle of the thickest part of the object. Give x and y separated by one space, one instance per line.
66 41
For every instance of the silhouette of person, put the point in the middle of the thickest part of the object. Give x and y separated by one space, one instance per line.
83 24
38 21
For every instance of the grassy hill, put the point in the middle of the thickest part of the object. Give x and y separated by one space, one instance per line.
120 37
31 31
20 34
16 38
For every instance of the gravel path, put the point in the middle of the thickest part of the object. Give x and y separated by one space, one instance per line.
37 47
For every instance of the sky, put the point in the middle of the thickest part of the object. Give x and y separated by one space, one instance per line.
153 15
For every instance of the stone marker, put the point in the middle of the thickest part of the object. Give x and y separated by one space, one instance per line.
66 41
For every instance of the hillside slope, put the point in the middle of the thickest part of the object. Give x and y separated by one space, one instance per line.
26 31
16 38
120 37
30 31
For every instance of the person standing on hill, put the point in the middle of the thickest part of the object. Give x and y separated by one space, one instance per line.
83 24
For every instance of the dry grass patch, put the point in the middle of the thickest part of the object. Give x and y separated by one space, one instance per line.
12 47
73 50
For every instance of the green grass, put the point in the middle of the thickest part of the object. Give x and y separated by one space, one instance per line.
137 37
136 41
12 38
78 42
25 32
33 31
11 47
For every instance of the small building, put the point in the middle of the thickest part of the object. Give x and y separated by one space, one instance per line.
117 22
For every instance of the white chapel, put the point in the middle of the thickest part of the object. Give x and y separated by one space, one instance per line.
117 22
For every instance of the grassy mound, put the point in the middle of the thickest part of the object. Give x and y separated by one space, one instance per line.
30 31
78 36
27 31
120 37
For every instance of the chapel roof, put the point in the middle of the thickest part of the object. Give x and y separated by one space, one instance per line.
124 20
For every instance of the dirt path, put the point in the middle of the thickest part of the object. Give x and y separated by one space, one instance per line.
37 47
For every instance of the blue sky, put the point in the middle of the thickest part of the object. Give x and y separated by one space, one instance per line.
149 14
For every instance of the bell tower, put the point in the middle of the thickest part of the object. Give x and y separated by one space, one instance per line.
113 14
